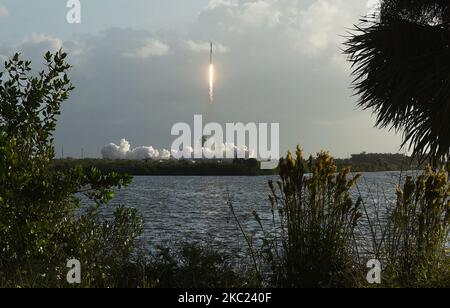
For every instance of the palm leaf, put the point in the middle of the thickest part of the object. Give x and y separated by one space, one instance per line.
402 72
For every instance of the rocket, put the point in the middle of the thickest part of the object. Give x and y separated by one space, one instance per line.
211 55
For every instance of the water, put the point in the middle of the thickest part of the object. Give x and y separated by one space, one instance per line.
196 209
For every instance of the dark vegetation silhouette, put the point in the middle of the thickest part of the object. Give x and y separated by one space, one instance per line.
323 234
148 167
364 162
401 65
41 222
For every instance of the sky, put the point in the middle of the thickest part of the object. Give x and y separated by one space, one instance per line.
141 66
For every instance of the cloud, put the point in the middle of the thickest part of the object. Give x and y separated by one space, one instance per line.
4 12
214 4
152 48
319 27
311 27
258 13
242 16
42 39
32 47
289 70
76 48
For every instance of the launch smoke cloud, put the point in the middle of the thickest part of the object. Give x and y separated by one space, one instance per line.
124 151
211 141
237 140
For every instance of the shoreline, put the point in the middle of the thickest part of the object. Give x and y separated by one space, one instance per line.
361 163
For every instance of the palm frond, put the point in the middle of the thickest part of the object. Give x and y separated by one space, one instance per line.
402 73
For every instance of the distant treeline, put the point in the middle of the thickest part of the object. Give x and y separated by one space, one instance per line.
237 167
366 162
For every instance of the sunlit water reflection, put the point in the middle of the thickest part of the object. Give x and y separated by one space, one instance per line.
195 209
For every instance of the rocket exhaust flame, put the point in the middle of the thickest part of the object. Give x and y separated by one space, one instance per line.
211 75
211 83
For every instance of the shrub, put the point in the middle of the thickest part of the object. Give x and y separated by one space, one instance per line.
41 223
314 218
189 266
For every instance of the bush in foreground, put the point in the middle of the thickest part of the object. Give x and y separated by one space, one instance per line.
41 221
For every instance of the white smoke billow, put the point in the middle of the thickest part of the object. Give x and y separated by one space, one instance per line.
124 151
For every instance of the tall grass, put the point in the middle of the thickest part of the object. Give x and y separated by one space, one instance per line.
319 239
418 232
314 219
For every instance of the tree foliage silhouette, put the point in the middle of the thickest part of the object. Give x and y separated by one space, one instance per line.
47 216
401 65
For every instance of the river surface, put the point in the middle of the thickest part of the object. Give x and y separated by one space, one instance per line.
196 209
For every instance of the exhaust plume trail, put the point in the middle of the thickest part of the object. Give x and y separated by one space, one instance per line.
211 83
211 75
